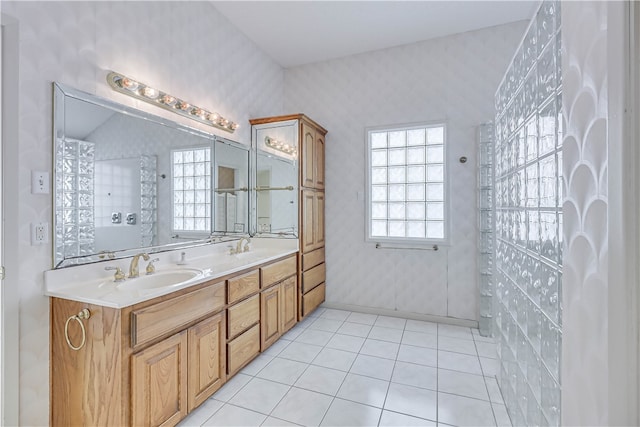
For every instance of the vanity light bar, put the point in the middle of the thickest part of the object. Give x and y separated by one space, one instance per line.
280 146
138 90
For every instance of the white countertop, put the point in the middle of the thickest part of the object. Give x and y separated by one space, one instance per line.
92 284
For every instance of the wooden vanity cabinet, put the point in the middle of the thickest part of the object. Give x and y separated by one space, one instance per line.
147 364
311 224
278 300
243 320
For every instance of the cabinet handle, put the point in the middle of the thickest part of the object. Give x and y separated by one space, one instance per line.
83 314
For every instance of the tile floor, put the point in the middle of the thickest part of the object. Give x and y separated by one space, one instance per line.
341 368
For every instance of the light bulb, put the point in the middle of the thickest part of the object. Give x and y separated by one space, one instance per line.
214 117
183 106
150 92
168 99
129 84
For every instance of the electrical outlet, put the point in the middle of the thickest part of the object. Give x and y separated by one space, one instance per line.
39 233
39 182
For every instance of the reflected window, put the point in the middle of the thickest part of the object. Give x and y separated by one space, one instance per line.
191 189
406 186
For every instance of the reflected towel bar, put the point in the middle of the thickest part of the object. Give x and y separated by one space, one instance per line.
433 248
289 188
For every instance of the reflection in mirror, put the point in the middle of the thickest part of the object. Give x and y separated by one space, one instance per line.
231 187
276 179
126 180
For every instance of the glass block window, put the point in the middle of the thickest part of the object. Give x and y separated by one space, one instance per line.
406 184
191 182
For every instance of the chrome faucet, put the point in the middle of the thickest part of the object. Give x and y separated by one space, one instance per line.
245 248
133 268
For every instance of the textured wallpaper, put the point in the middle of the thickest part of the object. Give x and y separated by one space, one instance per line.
450 79
586 261
184 48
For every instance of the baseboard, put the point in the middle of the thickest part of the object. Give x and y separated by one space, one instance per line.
403 314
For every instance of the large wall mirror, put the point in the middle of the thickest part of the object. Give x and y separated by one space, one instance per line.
126 180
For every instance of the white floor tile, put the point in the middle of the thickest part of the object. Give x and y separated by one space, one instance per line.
277 422
315 337
275 348
346 413
385 334
455 331
384 349
202 414
364 318
335 359
464 411
300 351
257 364
419 355
230 415
394 419
328 325
495 395
355 329
502 416
283 371
322 380
346 342
333 314
369 391
420 326
303 407
260 395
410 400
415 375
489 366
457 345
463 384
232 386
372 366
420 339
390 322
478 337
459 362
293 333
317 312
487 349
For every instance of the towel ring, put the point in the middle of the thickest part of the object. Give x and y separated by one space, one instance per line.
83 314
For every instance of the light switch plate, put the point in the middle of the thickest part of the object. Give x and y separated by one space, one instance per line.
39 182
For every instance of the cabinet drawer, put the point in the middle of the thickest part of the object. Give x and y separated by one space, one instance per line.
312 259
277 271
242 316
312 278
242 286
243 349
159 319
313 299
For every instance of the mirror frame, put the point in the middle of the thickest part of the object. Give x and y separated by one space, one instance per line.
60 93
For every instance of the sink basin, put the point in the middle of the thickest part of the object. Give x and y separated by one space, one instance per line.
161 279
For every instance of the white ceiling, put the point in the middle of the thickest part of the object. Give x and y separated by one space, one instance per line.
302 32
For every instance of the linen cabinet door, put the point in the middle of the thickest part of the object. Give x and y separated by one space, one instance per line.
318 223
159 383
207 359
319 162
269 317
308 168
309 228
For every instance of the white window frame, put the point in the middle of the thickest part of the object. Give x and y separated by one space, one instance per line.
192 233
406 241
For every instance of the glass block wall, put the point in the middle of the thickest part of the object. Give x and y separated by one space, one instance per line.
148 200
75 185
486 227
528 224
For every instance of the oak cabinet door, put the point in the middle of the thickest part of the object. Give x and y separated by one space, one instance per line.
159 383
308 241
318 162
308 153
269 316
289 303
207 359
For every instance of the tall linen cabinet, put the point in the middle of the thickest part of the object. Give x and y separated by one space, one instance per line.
310 142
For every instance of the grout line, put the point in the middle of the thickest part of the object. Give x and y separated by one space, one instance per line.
495 419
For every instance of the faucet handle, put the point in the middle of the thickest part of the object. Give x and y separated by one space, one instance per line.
150 267
118 275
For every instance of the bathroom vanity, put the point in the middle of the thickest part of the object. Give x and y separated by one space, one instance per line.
214 225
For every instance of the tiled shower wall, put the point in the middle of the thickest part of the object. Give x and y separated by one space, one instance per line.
529 224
